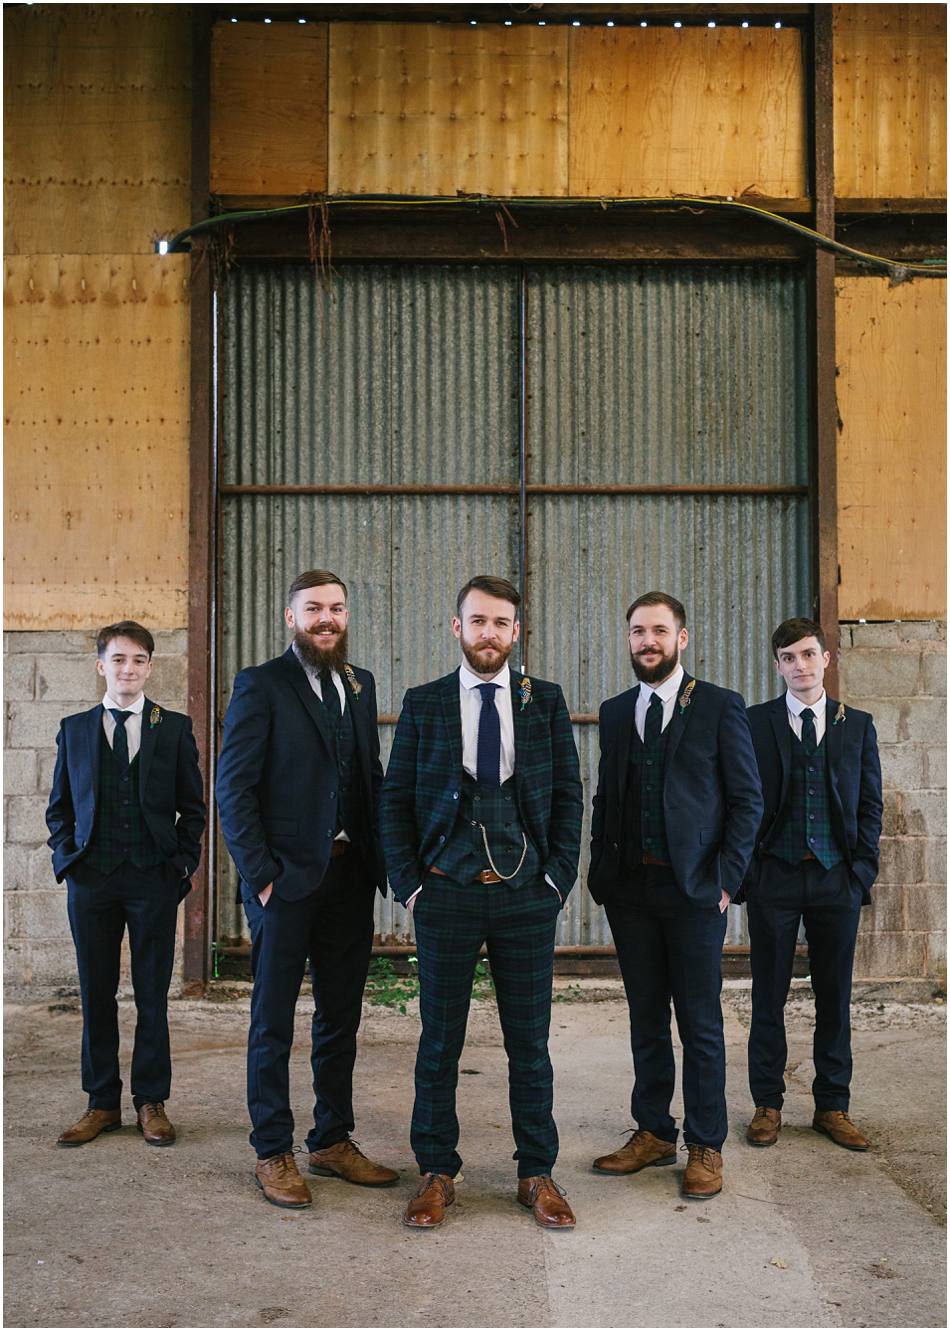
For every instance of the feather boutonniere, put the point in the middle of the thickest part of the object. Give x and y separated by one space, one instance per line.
840 714
686 697
351 679
154 718
524 692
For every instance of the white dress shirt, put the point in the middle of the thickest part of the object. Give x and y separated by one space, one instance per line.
796 707
471 702
133 723
666 692
313 677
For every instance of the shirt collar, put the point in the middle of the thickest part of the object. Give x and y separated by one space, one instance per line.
796 706
667 689
469 680
310 670
136 708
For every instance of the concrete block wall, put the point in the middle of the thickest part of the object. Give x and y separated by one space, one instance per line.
48 676
898 673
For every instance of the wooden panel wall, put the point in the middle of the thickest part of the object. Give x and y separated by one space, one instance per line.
97 130
892 473
890 101
694 110
269 108
428 109
95 463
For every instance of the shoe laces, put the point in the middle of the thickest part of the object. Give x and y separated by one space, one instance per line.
704 1154
427 1182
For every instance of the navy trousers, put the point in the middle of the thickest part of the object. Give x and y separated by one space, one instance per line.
101 907
517 925
829 902
333 926
668 947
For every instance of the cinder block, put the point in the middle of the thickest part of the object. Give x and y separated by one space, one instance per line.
895 823
171 642
26 824
935 861
874 635
34 725
880 674
923 719
904 766
889 720
922 630
886 911
925 907
19 678
68 678
936 767
933 674
39 963
20 772
169 681
37 915
902 860
46 764
51 642
936 962
925 812
27 868
889 955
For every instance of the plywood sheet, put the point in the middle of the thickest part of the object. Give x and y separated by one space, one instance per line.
890 101
660 111
96 381
97 130
438 109
269 108
892 472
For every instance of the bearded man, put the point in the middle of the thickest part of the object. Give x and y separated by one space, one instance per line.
480 820
298 785
675 817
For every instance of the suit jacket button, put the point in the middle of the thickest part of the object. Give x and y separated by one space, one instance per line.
455 794
441 838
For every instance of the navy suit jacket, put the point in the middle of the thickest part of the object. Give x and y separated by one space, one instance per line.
169 788
277 786
420 800
712 802
854 779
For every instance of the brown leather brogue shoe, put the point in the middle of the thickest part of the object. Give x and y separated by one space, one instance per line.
641 1150
345 1160
834 1123
703 1177
427 1206
279 1180
547 1202
765 1126
152 1122
87 1128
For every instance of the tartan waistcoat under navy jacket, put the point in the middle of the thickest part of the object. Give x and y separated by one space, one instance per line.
494 808
804 827
349 816
644 824
120 834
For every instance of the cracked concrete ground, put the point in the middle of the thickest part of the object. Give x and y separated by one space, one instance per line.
805 1234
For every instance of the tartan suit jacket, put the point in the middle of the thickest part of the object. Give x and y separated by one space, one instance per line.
420 799
854 782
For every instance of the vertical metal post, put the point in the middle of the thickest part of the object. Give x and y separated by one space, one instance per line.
523 459
824 470
202 499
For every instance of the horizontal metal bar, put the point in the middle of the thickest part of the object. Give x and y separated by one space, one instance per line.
513 490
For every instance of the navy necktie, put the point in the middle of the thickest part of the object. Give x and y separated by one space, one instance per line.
653 726
331 699
488 765
120 740
809 738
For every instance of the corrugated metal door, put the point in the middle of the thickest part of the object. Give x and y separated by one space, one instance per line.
376 430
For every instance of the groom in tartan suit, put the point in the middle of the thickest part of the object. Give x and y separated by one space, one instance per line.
480 820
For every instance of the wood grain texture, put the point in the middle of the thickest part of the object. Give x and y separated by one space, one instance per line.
96 457
890 101
97 105
892 473
269 108
660 111
429 109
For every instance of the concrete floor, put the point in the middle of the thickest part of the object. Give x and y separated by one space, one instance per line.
804 1235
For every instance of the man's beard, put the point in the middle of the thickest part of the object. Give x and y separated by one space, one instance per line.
315 657
654 674
485 662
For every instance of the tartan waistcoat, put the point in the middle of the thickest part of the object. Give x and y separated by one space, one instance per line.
120 834
349 809
496 808
805 825
643 822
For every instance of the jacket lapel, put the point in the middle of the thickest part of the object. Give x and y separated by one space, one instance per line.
679 720
778 716
298 681
522 724
452 716
147 745
624 740
93 736
360 728
833 741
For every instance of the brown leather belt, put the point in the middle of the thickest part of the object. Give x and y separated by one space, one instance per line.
486 875
339 848
809 856
652 859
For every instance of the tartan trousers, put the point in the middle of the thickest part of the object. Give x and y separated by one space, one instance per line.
452 921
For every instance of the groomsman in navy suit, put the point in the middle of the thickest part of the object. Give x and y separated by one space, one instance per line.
815 862
674 820
126 816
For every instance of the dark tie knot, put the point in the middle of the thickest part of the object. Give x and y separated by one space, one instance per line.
488 693
807 715
118 717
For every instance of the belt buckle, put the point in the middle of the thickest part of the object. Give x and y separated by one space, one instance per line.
487 876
